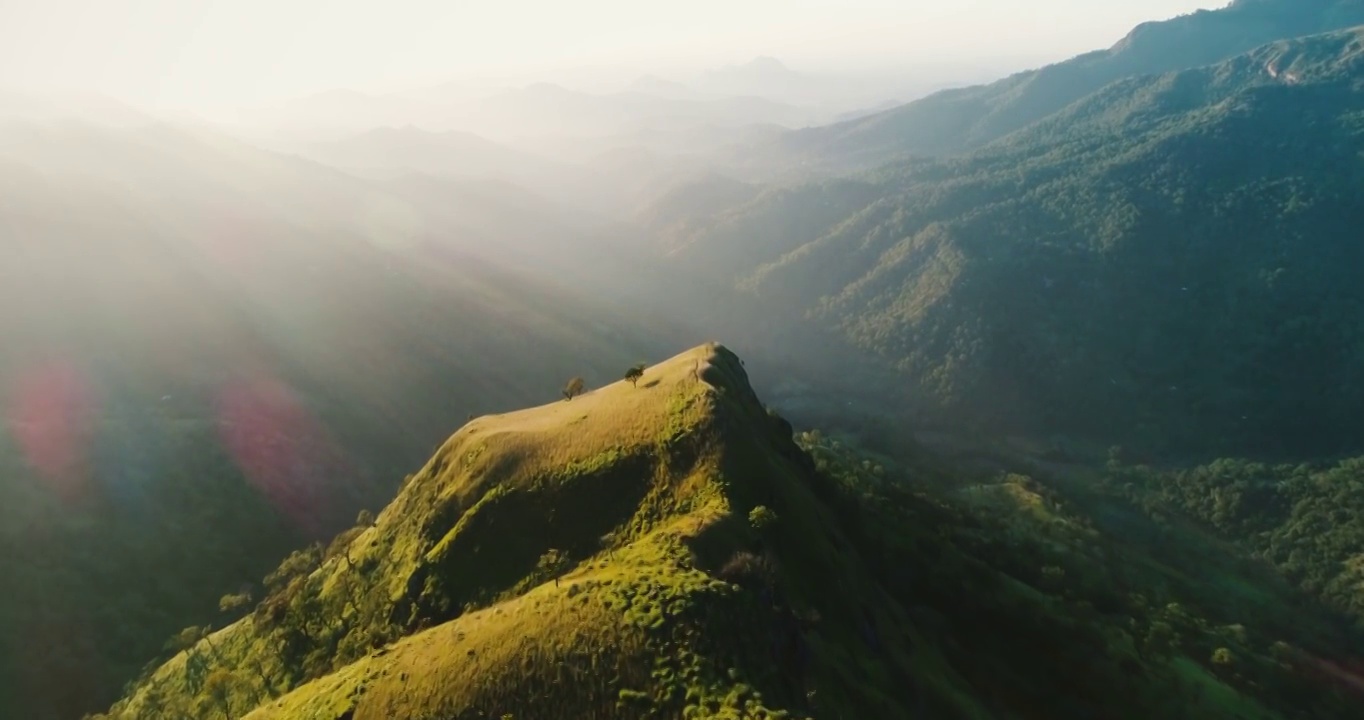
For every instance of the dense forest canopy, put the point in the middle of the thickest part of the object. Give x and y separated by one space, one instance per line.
1168 263
225 369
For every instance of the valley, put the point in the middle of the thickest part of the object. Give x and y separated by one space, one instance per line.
1047 405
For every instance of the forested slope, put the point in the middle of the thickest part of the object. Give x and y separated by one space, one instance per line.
955 121
1169 262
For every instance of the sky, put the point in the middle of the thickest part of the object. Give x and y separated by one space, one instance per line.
198 53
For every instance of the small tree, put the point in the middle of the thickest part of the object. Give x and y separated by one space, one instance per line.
634 374
762 518
220 687
233 604
196 664
185 640
553 562
299 564
575 387
364 519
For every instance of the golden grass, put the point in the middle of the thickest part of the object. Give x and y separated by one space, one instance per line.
481 662
646 491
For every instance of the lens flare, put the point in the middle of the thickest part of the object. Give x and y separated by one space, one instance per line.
130 454
1347 673
283 452
51 414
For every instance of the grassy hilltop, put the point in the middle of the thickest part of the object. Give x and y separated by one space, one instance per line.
665 547
649 550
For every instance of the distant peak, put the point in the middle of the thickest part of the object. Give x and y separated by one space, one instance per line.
654 82
761 65
766 62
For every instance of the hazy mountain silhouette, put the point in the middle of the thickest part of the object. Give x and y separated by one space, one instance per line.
1137 266
957 120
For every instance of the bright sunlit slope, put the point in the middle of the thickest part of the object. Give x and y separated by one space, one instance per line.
657 549
213 354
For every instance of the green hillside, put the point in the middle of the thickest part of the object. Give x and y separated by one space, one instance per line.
955 121
668 548
198 376
1167 264
217 361
1304 520
600 557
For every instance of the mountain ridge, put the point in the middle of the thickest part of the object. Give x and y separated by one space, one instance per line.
643 496
958 120
220 338
665 546
1133 204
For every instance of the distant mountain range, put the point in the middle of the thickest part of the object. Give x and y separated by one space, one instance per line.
765 76
654 85
250 346
1165 259
762 92
537 110
402 150
214 353
958 120
206 341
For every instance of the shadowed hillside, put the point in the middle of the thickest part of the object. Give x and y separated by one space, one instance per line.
1164 264
663 547
954 121
648 550
213 354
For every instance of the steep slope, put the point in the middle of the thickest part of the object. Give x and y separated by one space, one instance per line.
656 550
213 354
954 121
1057 598
671 549
1164 264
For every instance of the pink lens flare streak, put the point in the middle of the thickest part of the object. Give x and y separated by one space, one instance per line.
281 449
51 414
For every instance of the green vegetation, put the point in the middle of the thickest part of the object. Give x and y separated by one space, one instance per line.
485 588
579 561
954 121
1115 255
164 509
1304 520
1057 597
92 591
1166 263
762 518
213 354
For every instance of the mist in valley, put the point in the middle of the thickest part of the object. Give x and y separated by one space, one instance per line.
260 260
